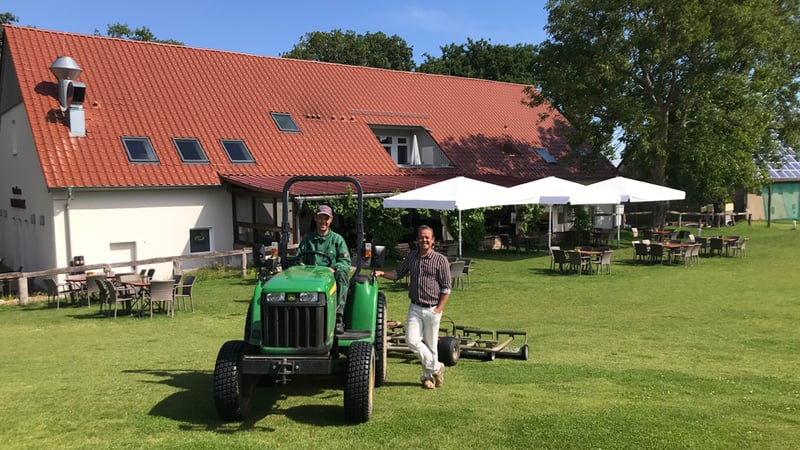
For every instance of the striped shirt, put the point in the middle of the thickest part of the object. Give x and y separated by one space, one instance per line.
430 277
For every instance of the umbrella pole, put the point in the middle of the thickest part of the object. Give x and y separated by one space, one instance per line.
459 234
618 223
550 228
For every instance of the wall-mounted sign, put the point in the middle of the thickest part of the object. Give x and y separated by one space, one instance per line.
18 203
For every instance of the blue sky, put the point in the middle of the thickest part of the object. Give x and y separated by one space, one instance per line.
271 27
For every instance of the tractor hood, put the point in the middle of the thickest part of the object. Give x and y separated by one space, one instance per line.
302 279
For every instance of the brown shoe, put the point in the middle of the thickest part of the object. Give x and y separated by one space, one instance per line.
438 377
428 384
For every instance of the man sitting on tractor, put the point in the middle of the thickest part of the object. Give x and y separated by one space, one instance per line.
332 244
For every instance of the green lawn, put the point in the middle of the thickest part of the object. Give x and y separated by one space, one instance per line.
702 357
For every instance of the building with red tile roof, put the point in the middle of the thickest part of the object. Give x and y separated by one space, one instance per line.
150 147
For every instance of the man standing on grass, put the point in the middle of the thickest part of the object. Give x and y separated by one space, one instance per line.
428 291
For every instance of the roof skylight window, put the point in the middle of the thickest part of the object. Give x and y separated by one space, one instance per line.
285 122
190 150
546 156
237 151
139 150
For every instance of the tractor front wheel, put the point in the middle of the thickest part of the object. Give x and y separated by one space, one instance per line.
233 391
359 389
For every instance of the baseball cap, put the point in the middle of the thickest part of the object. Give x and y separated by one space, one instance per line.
325 209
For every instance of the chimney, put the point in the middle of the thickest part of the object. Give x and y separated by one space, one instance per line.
71 93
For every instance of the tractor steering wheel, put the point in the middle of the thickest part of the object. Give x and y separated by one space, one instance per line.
314 252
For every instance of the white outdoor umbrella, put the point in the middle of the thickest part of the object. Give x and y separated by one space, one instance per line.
630 190
460 193
557 191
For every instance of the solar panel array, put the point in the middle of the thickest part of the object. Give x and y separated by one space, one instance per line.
789 170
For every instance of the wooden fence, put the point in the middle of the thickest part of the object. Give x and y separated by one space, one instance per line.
22 278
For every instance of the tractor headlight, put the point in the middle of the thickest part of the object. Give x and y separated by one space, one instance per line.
291 297
272 297
307 296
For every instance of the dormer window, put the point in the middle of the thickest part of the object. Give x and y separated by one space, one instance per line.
410 146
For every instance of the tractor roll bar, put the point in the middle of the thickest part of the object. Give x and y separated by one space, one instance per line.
285 228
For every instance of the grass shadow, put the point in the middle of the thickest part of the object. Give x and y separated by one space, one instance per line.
193 405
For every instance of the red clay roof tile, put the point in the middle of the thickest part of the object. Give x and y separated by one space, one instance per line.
164 91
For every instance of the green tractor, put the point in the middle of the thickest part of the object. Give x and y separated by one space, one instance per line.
290 327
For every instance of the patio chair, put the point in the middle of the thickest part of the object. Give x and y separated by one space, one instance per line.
560 258
703 243
640 251
162 293
579 263
457 274
681 254
552 257
604 260
56 291
452 249
467 269
695 253
739 247
150 273
657 253
92 288
117 296
716 245
103 296
184 291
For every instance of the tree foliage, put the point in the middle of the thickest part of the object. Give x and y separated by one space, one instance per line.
382 225
481 59
702 94
122 31
6 18
473 226
370 49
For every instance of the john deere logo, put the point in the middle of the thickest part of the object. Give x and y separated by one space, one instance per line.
291 298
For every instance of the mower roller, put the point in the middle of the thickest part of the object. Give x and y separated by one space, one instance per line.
458 340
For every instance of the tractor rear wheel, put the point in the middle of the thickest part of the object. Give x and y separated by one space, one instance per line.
233 391
449 350
381 362
359 388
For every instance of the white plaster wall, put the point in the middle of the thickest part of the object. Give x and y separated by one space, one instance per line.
156 221
24 240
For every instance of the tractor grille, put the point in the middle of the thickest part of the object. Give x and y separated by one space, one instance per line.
291 326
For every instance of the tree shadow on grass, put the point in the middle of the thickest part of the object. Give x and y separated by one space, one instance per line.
193 405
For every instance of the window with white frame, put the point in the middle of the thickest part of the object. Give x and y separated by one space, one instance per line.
397 147
200 240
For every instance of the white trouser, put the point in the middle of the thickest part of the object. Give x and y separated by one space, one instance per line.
422 337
